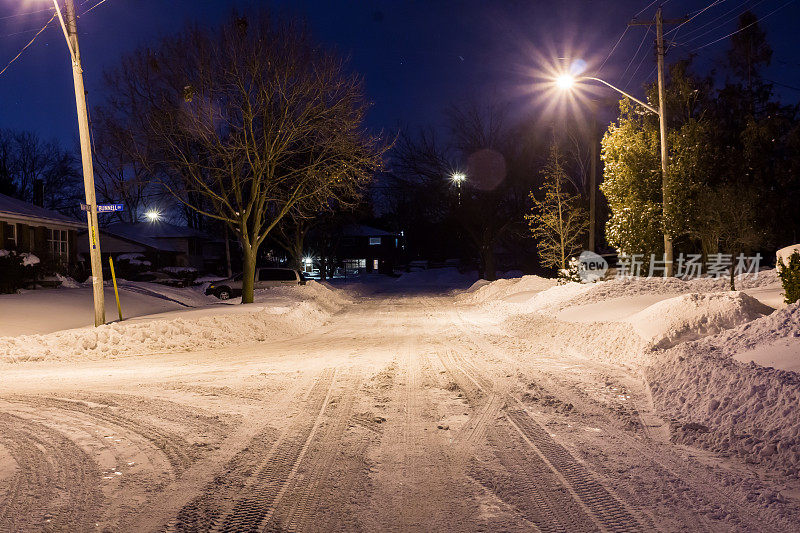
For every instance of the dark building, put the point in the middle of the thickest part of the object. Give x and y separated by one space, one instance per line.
162 245
366 249
49 235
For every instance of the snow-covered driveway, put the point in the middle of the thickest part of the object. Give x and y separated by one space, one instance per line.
401 413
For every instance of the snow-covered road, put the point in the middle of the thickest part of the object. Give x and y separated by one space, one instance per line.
401 413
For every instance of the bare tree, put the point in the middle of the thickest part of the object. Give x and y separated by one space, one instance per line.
120 176
248 121
26 159
558 221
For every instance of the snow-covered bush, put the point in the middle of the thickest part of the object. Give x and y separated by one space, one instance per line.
790 277
16 269
571 273
186 275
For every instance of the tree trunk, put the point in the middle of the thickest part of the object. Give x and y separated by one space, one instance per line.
487 257
249 273
323 268
733 277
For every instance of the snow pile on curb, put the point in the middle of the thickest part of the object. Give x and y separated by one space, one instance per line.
728 406
616 288
694 316
484 291
285 312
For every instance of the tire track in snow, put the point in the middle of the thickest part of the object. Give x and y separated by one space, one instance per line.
244 496
303 508
55 486
605 509
178 451
684 478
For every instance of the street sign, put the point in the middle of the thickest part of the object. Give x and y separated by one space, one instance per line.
104 208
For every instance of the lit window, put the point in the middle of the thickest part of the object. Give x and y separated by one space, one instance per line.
374 240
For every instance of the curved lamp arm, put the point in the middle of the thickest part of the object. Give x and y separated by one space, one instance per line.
646 106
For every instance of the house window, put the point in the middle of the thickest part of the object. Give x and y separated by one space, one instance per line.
374 240
11 234
57 243
375 264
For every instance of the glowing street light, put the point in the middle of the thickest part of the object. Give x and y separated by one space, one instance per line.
153 215
568 81
458 178
565 81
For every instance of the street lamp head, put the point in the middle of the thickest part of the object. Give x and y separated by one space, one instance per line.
153 215
565 81
458 177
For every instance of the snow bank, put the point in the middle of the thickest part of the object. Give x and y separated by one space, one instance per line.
282 313
484 291
694 316
732 407
689 345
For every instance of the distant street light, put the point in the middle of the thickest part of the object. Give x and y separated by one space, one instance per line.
153 215
458 178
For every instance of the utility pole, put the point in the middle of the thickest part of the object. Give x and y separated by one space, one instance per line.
593 178
70 28
662 119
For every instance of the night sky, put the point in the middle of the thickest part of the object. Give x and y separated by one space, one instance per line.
416 56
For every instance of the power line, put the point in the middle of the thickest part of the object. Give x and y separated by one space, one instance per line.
635 55
723 23
697 14
648 6
742 29
94 6
29 43
637 68
613 48
26 13
695 30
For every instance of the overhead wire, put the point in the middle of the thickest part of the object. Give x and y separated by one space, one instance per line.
27 45
697 14
636 54
40 31
698 28
613 48
744 28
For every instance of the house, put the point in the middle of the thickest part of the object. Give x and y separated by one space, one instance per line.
366 249
162 244
49 235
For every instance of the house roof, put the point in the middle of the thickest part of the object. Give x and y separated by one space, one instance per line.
155 230
12 207
156 235
360 230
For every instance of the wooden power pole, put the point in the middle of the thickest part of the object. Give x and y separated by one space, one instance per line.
662 119
69 25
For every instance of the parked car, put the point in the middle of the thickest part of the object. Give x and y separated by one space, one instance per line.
158 277
265 279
